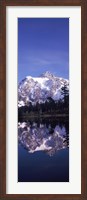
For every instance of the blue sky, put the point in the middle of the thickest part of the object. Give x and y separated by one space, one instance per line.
43 45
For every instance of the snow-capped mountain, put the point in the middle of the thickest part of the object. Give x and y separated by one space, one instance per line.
38 89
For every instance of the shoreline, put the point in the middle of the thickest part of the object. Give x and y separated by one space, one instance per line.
43 115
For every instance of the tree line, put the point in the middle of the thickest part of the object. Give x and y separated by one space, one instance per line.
50 106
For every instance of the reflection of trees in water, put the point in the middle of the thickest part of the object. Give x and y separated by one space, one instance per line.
67 132
37 131
51 122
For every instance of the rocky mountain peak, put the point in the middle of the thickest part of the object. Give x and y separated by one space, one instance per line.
38 89
47 74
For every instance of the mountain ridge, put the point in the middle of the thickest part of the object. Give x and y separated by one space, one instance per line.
38 89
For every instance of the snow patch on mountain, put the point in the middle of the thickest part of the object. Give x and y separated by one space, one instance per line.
38 89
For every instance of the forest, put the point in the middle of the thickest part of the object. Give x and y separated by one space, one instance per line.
49 107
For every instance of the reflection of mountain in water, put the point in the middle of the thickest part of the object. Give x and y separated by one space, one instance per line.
47 137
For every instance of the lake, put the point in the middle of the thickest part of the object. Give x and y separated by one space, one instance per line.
43 150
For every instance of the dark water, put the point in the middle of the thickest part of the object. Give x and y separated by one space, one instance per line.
43 150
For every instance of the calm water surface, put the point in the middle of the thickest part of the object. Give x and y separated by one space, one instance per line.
43 150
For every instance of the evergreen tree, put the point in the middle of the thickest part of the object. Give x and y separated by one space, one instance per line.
65 93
